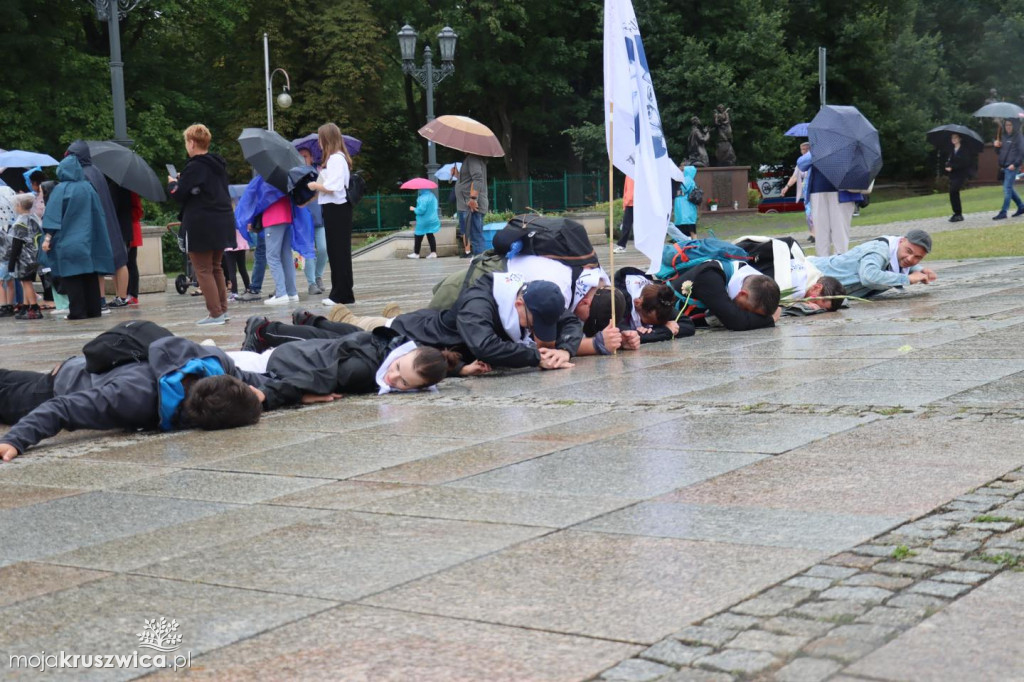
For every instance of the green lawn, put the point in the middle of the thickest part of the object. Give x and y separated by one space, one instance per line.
988 242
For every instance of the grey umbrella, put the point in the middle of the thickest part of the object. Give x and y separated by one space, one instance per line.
270 154
126 168
845 147
999 110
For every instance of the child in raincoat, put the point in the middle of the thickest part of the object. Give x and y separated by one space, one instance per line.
427 222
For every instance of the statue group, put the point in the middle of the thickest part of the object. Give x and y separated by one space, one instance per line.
697 154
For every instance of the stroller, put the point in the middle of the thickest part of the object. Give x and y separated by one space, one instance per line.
188 278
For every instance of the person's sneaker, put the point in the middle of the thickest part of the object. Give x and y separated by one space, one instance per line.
6 311
104 307
133 300
208 342
999 216
619 249
329 303
391 310
221 319
294 298
248 296
29 313
433 254
277 300
314 290
956 218
320 283
301 316
466 255
413 256
811 239
254 327
1018 212
118 302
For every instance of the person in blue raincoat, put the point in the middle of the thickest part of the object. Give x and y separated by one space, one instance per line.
76 241
427 222
684 211
256 199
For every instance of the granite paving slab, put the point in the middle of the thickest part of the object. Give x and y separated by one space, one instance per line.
358 643
28 579
14 495
219 486
342 555
978 637
621 587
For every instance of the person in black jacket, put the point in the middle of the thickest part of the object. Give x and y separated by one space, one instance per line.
743 299
214 394
958 165
207 219
1011 155
651 308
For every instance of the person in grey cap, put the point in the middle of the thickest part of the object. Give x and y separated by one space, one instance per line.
880 264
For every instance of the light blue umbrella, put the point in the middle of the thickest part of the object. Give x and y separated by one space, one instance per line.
799 130
17 158
444 173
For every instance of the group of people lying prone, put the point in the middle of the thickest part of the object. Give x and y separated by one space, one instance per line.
517 309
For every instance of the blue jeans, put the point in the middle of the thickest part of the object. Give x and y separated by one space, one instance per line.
1008 192
259 263
279 258
473 224
315 272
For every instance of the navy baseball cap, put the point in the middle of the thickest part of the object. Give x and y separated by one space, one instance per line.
546 303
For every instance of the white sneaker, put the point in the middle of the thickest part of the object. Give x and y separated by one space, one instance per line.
276 300
432 255
619 249
293 298
414 256
329 303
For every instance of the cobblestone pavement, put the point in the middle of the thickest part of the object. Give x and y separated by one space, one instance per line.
836 498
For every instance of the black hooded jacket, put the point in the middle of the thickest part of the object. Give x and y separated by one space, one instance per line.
207 219
473 326
1011 153
99 183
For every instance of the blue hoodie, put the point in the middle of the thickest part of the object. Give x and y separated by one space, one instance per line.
684 212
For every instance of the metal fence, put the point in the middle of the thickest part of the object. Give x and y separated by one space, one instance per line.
390 212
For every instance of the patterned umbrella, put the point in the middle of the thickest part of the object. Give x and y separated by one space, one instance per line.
845 147
464 134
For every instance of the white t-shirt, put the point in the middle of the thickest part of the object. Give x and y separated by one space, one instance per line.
334 177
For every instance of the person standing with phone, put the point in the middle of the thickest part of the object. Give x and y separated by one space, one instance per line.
207 219
332 188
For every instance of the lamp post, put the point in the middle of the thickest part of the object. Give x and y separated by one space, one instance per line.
284 100
111 11
427 75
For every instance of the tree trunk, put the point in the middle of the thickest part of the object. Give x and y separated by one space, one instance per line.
517 153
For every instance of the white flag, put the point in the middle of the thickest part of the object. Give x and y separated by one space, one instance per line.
639 144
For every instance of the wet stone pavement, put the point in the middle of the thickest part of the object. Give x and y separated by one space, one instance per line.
838 498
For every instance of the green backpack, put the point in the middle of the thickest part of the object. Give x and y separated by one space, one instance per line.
447 291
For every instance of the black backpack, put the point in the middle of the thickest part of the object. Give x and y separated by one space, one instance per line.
559 239
356 188
696 196
125 342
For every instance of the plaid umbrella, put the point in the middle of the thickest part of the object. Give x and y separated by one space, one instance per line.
845 147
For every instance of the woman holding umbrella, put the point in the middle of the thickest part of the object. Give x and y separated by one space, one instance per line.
958 166
332 186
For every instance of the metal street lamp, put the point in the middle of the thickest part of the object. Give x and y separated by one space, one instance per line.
111 11
284 100
427 76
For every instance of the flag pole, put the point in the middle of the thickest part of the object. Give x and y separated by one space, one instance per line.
611 203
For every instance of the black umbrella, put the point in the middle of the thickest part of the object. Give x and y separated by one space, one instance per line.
270 154
999 110
126 168
845 147
968 138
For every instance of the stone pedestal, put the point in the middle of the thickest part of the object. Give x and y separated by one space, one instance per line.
728 184
151 262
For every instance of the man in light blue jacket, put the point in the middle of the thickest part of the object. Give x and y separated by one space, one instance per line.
880 264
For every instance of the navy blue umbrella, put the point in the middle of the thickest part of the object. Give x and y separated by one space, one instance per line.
799 130
845 147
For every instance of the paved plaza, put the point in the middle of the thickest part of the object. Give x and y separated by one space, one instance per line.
839 498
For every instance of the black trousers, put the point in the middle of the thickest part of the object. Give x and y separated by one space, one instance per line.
417 242
955 185
627 226
234 264
22 392
133 271
338 233
278 333
83 294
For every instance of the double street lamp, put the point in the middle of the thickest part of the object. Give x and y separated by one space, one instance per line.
284 100
111 11
427 76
